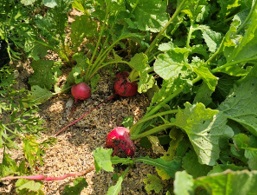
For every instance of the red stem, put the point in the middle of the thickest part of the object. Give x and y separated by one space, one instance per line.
83 115
50 178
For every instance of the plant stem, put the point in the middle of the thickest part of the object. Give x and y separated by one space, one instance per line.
135 131
158 37
218 69
153 116
152 131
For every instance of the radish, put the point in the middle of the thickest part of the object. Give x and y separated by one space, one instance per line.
123 87
80 91
119 140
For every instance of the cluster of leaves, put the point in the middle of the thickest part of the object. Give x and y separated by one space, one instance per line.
196 59
202 116
19 124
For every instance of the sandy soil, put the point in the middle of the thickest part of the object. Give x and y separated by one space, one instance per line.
73 149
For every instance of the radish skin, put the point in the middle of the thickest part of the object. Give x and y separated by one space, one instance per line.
119 140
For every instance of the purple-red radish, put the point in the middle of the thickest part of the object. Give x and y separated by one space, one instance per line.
123 87
119 140
81 91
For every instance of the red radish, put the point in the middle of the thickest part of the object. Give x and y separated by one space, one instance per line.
80 91
123 87
119 140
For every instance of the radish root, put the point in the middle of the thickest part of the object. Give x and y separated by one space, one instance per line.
84 115
48 178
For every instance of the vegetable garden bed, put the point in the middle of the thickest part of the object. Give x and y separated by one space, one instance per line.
175 81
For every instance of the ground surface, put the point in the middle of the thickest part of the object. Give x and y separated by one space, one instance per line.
73 149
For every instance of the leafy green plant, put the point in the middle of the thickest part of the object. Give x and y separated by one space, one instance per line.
19 124
203 105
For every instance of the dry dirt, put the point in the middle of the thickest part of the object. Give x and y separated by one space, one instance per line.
73 149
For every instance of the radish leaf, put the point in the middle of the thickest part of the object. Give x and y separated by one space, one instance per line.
204 127
153 183
102 159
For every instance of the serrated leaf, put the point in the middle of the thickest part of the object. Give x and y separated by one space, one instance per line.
202 71
78 34
242 47
183 183
44 75
102 159
148 15
32 150
211 38
40 95
196 10
204 127
241 106
229 182
139 63
8 166
153 183
169 65
24 186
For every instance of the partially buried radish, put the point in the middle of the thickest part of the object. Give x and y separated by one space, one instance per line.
123 87
119 140
80 91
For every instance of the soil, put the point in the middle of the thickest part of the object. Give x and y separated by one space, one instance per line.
73 150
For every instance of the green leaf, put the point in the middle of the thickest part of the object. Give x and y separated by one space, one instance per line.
8 166
78 185
50 3
241 106
203 94
170 167
78 34
153 183
229 182
169 64
196 10
148 15
227 7
211 38
204 127
203 72
183 183
242 47
115 190
30 187
32 150
140 66
45 74
192 166
28 2
157 148
40 95
102 159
